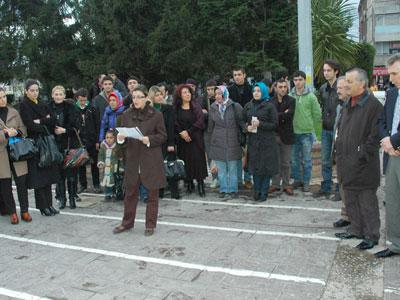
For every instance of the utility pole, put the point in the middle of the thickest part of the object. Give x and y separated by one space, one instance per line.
305 40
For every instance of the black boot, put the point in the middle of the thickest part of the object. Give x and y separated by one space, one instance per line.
173 186
71 194
161 193
60 194
189 186
200 188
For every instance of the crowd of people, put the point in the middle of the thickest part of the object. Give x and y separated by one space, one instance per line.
253 136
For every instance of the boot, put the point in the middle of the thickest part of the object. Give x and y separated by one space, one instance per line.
173 186
60 194
71 194
161 193
200 188
189 186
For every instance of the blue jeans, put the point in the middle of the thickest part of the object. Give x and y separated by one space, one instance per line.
109 191
301 157
261 184
227 175
143 193
326 156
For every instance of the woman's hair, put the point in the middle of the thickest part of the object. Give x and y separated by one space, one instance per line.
178 94
142 88
111 131
58 88
2 89
29 83
153 91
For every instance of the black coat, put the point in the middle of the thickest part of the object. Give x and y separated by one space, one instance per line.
262 147
66 115
88 125
169 121
241 98
285 119
357 144
29 111
329 103
386 121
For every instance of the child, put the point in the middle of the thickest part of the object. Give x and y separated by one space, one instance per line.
108 163
113 110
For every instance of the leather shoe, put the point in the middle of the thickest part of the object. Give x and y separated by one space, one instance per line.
341 223
46 212
297 184
320 194
119 229
149 231
385 253
347 236
248 185
256 196
366 244
288 191
273 189
25 216
53 210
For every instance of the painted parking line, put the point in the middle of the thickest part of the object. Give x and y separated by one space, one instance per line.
19 295
317 236
392 290
167 262
199 201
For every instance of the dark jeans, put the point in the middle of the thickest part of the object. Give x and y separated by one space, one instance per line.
261 184
326 157
93 167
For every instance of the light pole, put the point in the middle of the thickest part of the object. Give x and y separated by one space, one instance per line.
305 40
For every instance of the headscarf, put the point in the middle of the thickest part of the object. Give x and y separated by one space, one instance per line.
264 90
225 95
118 96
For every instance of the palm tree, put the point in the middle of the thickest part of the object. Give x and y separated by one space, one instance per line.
331 21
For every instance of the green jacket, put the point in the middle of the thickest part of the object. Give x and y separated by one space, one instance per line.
307 113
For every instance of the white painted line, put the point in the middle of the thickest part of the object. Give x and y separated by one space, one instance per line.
335 210
167 262
392 290
317 236
19 295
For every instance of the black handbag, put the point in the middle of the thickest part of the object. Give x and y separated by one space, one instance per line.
48 151
118 183
174 169
20 149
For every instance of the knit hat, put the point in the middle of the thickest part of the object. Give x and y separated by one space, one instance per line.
264 91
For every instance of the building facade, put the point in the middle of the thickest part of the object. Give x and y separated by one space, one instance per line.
380 26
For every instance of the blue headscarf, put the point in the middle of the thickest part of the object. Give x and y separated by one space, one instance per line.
264 90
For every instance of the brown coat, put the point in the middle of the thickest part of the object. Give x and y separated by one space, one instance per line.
140 160
13 121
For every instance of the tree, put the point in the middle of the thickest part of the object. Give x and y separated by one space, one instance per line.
365 58
331 21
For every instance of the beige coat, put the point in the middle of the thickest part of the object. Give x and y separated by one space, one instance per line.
13 121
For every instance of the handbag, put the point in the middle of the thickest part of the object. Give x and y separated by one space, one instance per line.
20 149
75 158
241 135
174 169
48 150
118 183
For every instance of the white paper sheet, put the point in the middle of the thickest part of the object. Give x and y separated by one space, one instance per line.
133 132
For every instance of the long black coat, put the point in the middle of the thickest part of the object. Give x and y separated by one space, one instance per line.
88 125
66 115
38 177
262 147
169 122
357 144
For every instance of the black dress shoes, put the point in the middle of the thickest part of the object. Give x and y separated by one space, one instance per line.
385 253
341 223
347 236
366 244
46 212
53 210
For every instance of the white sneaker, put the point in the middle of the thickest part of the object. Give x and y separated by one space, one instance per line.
214 183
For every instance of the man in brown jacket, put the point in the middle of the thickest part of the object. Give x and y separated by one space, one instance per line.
358 165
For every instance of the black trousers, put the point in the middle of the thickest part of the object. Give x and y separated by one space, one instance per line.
93 167
43 197
22 189
8 203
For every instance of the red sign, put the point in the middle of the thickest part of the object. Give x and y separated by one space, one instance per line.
380 71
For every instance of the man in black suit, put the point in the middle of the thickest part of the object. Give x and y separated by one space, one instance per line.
390 142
